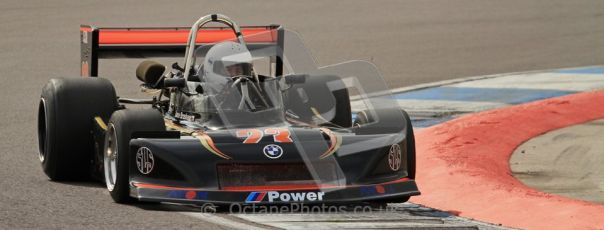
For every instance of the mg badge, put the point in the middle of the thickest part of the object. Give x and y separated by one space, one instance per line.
144 160
394 157
272 151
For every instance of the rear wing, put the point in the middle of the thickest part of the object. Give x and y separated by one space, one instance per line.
102 43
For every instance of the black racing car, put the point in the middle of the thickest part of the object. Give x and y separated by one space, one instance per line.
248 118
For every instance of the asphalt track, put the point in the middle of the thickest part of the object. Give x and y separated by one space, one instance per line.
410 41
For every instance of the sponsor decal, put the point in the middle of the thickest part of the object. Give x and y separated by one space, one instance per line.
380 189
367 191
273 196
184 116
272 151
144 160
373 190
394 157
253 136
84 69
85 37
255 197
189 195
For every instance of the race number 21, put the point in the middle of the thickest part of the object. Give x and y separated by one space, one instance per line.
253 136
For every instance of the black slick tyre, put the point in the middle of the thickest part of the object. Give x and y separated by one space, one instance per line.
363 118
65 119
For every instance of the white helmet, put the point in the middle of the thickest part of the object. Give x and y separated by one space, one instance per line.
226 60
228 72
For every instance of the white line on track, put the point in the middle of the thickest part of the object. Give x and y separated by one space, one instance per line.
467 79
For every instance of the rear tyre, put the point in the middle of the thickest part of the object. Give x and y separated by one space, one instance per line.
364 117
410 144
122 125
65 119
314 96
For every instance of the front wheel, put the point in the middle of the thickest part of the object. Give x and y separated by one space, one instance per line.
122 125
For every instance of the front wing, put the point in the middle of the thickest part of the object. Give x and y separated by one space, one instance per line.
390 190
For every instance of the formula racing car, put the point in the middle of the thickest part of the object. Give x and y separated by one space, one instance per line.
247 117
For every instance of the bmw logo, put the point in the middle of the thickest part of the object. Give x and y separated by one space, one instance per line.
272 151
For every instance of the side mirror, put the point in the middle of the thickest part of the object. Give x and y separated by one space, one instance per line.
150 72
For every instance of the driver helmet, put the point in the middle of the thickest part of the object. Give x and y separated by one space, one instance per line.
228 66
227 60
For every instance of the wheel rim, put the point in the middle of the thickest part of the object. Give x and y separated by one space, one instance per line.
42 128
110 157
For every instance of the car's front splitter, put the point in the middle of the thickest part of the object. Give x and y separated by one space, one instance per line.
276 194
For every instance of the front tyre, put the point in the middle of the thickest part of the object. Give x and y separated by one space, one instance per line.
116 155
